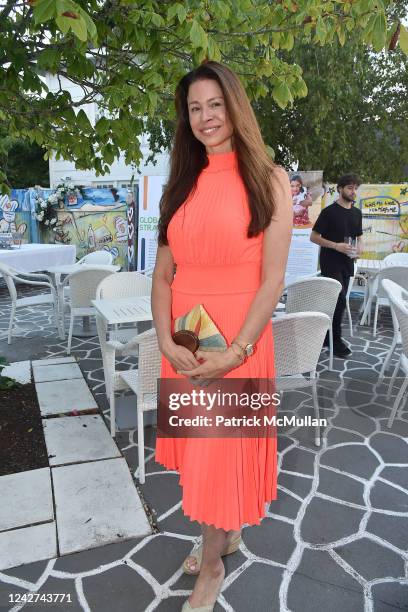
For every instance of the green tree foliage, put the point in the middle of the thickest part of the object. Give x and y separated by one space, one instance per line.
23 162
127 57
353 119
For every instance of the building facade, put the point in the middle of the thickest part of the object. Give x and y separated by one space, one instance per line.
120 174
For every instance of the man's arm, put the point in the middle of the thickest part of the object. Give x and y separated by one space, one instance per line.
341 247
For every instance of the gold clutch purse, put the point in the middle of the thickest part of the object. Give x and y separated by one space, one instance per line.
196 330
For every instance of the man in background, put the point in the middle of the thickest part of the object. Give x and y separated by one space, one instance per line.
338 231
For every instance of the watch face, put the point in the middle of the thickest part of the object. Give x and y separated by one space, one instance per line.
249 349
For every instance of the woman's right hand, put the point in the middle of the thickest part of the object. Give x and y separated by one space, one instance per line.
179 357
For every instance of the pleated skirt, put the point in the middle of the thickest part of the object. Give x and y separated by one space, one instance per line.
226 482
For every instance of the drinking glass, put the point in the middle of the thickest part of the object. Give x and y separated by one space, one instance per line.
353 243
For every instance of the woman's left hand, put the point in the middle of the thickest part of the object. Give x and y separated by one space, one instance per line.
214 364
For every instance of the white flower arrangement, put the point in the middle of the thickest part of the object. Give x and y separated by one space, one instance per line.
46 212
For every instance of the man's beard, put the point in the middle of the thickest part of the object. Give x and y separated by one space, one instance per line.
347 198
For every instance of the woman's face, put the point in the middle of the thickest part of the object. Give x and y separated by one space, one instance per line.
295 187
208 116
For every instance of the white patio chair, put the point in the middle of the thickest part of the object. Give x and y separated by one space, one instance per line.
396 339
101 258
397 274
124 284
11 275
147 271
298 341
398 297
396 259
142 381
83 285
318 294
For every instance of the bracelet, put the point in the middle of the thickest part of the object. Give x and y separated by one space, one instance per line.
335 246
241 354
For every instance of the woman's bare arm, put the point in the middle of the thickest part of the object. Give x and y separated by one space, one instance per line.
163 275
161 294
277 238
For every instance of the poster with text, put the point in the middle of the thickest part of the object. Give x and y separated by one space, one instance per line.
307 191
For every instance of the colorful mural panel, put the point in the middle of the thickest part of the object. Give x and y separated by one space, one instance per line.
385 218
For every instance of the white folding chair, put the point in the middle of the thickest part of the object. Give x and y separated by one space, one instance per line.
11 275
319 294
142 381
398 297
83 285
298 340
101 258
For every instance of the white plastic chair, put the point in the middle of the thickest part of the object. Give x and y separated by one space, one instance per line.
142 381
121 285
398 297
11 275
396 259
398 274
83 285
298 341
124 284
317 294
101 258
147 271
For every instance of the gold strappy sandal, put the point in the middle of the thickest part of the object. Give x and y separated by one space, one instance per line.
198 553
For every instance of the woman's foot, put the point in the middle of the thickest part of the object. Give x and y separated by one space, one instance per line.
193 563
208 585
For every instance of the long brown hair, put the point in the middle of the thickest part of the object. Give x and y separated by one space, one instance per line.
188 156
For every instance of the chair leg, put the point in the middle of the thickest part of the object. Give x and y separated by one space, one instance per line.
331 348
140 444
112 408
71 327
375 318
397 402
387 360
363 305
349 316
393 377
317 415
11 324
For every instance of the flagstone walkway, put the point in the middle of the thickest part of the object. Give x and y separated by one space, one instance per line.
336 539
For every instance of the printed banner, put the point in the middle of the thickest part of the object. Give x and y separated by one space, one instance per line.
150 193
307 190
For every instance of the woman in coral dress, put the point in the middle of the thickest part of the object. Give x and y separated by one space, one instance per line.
226 219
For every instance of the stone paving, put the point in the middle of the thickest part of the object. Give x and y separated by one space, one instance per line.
336 539
87 498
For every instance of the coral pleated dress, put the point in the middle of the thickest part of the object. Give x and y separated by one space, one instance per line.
226 482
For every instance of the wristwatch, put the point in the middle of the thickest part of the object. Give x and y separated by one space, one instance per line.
247 349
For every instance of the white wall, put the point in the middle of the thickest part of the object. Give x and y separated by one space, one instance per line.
120 174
